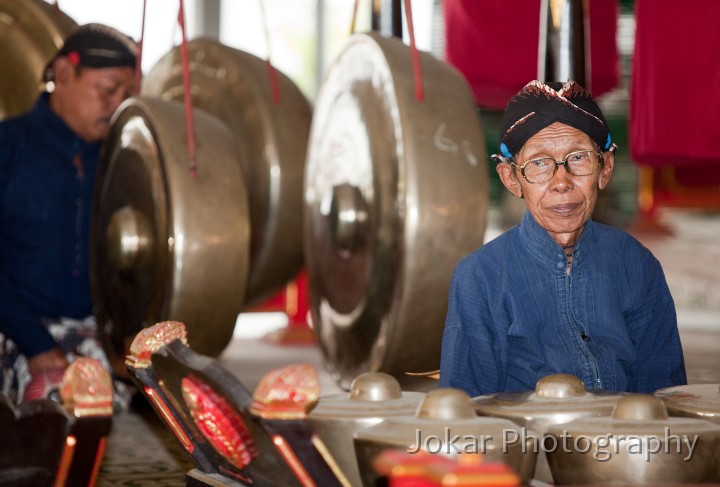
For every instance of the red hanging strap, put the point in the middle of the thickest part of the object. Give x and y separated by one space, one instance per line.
415 56
138 61
274 84
189 122
58 11
272 72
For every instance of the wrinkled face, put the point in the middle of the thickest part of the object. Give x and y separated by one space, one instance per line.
86 98
563 204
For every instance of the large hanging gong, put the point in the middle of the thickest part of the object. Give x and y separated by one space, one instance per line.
395 194
31 32
167 244
274 121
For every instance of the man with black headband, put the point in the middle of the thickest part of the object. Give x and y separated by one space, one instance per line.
559 293
48 159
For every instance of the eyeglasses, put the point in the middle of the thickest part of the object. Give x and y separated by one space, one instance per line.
578 163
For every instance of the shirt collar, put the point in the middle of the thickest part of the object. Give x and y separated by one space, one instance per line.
538 242
55 129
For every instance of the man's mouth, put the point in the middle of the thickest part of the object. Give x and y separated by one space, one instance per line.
564 209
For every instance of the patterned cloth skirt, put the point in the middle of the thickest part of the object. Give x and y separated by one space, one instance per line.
77 338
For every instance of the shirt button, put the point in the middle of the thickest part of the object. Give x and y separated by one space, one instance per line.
560 265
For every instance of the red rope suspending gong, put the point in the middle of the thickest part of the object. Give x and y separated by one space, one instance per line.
138 60
58 11
415 56
189 123
274 84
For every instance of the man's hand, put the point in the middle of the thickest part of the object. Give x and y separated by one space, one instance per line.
52 359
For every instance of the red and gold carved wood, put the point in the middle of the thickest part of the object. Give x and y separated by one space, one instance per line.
228 434
74 433
281 401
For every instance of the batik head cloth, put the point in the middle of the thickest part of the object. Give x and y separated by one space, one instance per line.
96 46
539 105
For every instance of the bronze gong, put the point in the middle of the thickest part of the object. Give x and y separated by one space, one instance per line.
637 445
236 87
396 192
445 423
557 399
167 245
373 397
700 401
31 32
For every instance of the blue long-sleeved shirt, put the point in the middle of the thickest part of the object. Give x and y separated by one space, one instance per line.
515 315
46 183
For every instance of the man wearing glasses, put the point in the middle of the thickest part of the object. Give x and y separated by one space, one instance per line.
559 293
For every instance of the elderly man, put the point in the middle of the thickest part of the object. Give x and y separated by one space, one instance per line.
48 160
559 293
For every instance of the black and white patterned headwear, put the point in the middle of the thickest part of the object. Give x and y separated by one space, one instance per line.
539 105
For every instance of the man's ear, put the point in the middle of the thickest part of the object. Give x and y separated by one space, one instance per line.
606 169
509 179
62 70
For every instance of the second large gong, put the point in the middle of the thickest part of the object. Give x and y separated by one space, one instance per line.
396 192
272 121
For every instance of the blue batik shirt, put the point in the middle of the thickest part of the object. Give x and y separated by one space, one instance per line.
46 194
516 315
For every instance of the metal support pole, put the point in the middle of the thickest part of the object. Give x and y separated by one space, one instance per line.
207 15
564 47
387 17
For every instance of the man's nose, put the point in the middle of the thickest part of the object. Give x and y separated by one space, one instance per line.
562 180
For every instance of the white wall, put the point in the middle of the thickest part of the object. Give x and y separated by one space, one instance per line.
162 31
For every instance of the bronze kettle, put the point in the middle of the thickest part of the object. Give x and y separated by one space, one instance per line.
373 397
557 399
639 444
445 423
700 401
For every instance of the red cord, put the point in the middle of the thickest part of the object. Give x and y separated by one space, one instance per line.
56 4
274 83
415 55
192 159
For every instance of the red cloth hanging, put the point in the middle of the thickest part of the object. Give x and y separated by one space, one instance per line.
675 87
494 43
